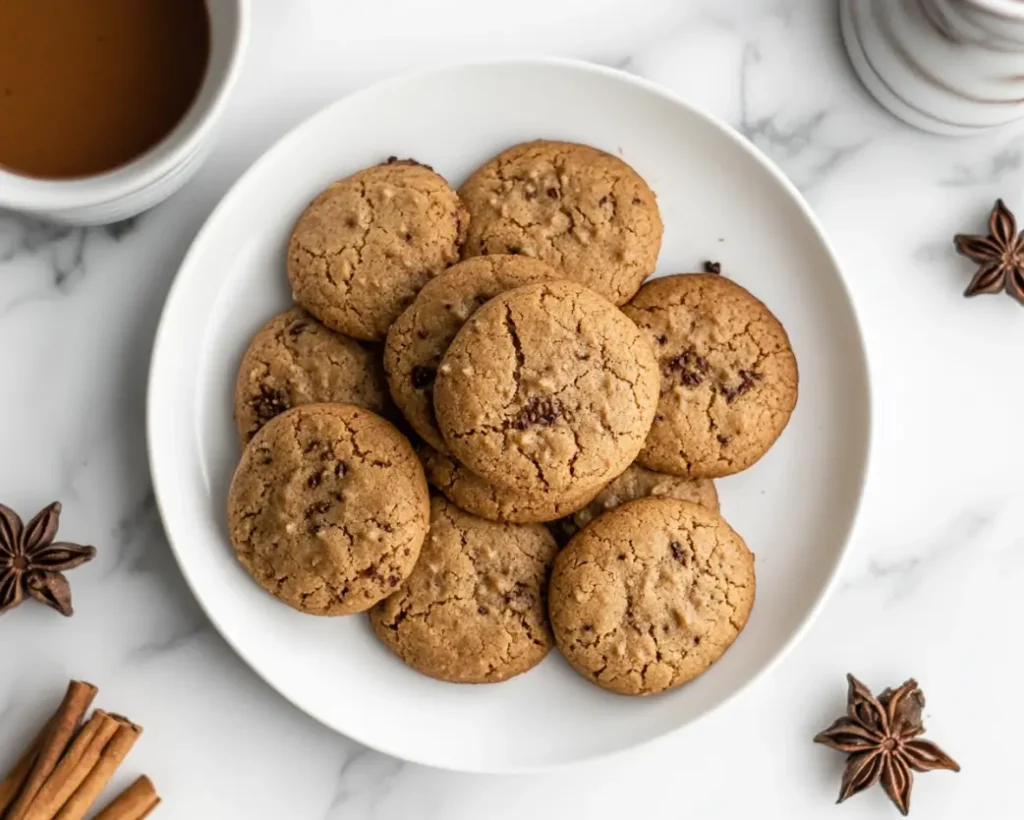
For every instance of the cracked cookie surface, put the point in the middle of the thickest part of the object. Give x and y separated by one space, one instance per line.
650 595
365 246
547 389
473 609
579 209
294 360
420 336
475 495
328 508
638 482
728 375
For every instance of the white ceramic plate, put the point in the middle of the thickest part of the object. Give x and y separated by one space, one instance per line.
720 199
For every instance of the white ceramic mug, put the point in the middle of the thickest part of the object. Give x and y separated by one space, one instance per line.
946 66
164 168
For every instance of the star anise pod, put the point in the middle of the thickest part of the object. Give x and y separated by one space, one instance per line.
1000 254
31 562
882 737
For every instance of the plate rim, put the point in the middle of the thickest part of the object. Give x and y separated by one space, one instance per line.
160 352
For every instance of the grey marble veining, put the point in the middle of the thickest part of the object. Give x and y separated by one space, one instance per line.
931 588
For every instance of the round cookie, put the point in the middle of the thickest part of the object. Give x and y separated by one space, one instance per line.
728 375
577 208
547 389
650 595
420 336
475 495
364 247
474 609
295 360
638 482
328 508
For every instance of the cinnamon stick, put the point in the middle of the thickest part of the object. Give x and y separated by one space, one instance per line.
61 728
134 803
74 767
96 780
15 778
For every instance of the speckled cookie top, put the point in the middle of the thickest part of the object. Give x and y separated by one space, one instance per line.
728 374
650 595
295 360
420 336
639 482
328 508
580 209
364 247
473 609
548 388
467 490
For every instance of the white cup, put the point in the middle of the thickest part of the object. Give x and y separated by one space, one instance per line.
947 66
164 168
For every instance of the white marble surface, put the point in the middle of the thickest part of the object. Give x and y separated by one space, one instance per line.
932 588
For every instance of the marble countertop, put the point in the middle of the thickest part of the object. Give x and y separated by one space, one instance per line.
932 588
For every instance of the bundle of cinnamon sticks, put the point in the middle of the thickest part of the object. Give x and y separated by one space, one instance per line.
63 772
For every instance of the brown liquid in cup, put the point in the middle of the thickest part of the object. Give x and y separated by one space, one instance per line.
88 85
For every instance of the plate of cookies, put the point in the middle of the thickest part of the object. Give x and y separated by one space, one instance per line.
509 415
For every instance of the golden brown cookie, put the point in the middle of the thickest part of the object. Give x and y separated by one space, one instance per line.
650 595
295 360
364 247
328 508
474 609
420 336
728 375
637 482
579 209
475 495
547 389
